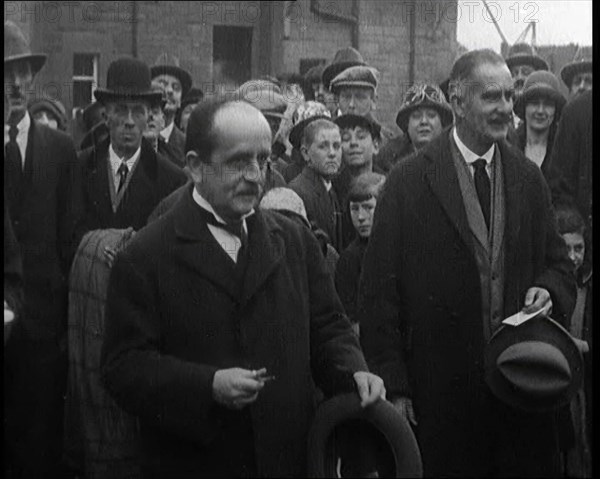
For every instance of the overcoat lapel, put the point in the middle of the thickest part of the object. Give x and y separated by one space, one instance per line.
443 181
513 197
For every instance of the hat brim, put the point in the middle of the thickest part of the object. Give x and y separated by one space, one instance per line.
333 70
106 96
183 76
572 69
351 121
37 61
352 83
536 62
532 330
382 416
446 115
539 91
297 130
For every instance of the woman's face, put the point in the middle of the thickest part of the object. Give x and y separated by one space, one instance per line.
539 114
424 124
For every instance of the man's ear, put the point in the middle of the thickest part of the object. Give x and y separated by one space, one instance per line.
304 152
376 144
194 165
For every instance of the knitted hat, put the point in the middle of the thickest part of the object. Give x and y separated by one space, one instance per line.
54 107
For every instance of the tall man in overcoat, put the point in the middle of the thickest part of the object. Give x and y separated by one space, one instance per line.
453 253
42 186
221 318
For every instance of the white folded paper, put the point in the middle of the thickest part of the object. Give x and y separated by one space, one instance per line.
520 317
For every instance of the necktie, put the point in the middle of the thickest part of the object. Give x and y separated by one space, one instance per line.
235 228
482 185
122 172
13 155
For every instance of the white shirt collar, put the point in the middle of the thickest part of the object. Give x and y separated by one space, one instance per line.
327 184
470 156
22 135
115 160
166 132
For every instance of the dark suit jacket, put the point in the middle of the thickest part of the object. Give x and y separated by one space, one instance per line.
420 303
311 189
152 180
175 315
174 150
13 266
44 218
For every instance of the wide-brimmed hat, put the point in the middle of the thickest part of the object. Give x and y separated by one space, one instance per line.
424 96
569 71
535 367
344 58
304 115
264 95
167 64
17 49
524 54
350 120
128 79
380 425
540 84
361 76
55 107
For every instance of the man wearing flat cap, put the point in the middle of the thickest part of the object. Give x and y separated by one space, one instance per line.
42 187
220 361
464 236
175 82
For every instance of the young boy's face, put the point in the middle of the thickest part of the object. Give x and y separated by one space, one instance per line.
358 147
576 248
324 155
361 213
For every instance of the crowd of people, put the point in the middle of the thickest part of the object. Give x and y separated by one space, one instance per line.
187 285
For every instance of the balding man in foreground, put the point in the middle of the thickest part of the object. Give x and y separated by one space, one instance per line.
222 317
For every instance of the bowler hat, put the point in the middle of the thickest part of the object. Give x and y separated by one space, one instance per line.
524 54
535 366
128 79
350 120
357 76
305 114
540 84
382 420
55 107
424 96
569 71
344 58
167 64
16 48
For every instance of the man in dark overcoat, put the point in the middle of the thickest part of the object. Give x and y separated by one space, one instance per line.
453 253
42 186
221 319
124 178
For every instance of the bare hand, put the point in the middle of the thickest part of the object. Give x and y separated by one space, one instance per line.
405 407
537 298
370 387
235 388
109 255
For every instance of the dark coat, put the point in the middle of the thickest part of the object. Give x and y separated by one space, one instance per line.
311 189
570 170
175 315
153 179
44 219
347 275
392 152
521 142
174 150
13 266
420 309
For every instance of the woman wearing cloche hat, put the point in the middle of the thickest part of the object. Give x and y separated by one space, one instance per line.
539 106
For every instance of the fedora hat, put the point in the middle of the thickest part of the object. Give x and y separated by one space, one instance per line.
128 79
167 64
305 114
350 120
344 58
16 48
540 84
424 96
534 367
381 424
524 54
569 71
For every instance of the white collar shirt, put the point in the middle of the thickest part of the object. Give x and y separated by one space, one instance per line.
166 132
115 163
22 135
470 157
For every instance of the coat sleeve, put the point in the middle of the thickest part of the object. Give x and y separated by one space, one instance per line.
13 267
557 276
173 394
335 350
378 300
